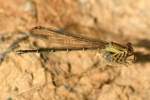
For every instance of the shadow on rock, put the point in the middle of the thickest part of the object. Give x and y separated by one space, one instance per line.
144 43
142 58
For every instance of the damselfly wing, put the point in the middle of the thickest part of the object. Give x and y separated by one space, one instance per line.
60 40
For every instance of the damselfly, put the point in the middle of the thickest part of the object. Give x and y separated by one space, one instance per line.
112 52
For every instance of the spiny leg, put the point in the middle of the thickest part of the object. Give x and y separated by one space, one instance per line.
120 57
116 57
124 58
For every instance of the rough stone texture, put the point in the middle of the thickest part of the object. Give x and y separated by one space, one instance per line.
74 75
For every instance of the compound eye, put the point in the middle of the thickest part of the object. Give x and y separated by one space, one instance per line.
130 49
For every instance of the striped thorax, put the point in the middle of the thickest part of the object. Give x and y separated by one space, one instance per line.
114 52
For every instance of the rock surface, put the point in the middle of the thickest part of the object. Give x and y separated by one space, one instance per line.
75 75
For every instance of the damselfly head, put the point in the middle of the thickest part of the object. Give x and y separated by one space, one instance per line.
131 53
130 49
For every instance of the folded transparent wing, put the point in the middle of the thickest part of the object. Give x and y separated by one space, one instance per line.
58 38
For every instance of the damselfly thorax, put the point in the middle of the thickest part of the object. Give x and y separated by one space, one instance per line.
112 52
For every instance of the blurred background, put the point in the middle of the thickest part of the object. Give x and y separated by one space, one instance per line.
75 75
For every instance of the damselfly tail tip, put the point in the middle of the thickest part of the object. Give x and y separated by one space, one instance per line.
27 51
20 52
